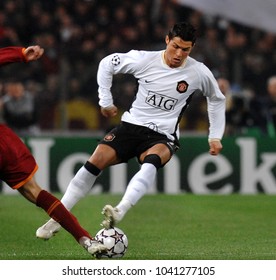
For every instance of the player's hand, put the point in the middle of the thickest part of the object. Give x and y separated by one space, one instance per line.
110 111
215 147
33 53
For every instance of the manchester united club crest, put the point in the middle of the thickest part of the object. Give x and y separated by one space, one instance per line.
182 86
109 137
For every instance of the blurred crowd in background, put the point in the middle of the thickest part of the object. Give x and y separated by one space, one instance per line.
59 92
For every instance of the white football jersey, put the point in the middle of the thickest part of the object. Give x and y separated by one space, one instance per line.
163 92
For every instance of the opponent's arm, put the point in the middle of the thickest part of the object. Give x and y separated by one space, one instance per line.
20 54
32 53
11 54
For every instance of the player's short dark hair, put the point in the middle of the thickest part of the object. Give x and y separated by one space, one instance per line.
184 30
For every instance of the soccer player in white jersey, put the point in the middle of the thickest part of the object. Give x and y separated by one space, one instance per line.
149 130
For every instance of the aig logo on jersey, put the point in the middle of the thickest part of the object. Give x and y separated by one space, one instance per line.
182 86
160 101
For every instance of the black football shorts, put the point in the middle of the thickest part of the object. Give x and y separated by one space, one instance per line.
130 140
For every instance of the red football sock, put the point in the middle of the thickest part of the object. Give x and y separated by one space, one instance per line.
56 210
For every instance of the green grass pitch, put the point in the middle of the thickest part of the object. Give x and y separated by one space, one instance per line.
159 227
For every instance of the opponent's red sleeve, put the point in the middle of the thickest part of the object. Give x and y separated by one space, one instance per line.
11 54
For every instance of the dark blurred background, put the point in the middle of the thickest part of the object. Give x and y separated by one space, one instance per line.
77 34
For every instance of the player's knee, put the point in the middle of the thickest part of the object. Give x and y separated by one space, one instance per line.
153 159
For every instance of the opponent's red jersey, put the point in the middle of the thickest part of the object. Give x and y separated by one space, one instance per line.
17 165
11 54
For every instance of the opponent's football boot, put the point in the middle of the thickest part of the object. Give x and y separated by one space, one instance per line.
92 246
48 230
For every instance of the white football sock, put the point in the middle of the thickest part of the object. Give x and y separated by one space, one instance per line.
78 187
137 187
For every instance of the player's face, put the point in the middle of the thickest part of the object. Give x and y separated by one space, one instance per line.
177 51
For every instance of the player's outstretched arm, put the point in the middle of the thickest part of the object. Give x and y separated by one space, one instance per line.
33 53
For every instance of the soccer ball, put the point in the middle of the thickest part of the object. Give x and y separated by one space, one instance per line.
115 240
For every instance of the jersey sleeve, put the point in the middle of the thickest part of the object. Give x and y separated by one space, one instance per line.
124 63
11 55
215 103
